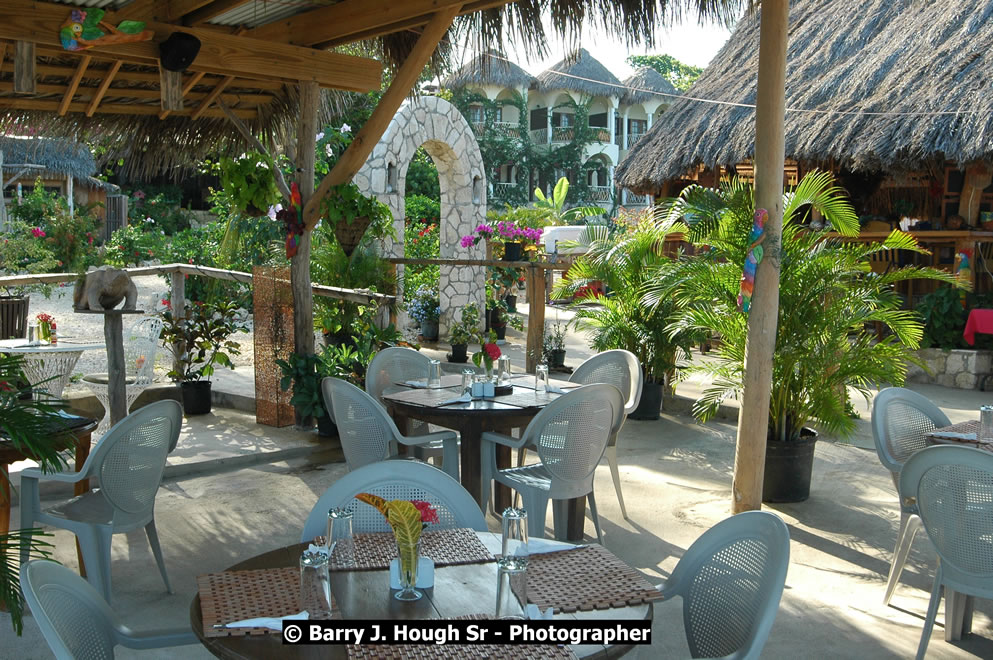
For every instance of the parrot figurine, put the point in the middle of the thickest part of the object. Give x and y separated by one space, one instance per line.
963 269
82 30
752 261
293 219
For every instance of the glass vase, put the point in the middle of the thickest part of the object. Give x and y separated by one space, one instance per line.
409 554
44 331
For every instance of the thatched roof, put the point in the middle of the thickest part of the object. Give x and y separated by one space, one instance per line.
583 73
885 57
645 81
489 68
58 157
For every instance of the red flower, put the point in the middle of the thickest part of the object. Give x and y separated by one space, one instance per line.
429 514
492 350
165 302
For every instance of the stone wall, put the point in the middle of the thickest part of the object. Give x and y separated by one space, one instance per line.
962 369
441 129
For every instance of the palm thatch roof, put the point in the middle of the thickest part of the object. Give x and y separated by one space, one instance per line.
645 81
58 157
489 68
583 73
892 86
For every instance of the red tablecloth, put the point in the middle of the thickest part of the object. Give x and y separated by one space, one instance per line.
980 320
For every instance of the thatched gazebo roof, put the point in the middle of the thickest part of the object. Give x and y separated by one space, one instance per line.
893 85
56 158
489 68
583 73
645 81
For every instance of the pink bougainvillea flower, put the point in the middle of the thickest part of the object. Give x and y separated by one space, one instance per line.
429 514
467 241
492 350
38 232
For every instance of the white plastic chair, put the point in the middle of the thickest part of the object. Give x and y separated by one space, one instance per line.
141 344
954 499
900 420
128 462
391 480
368 434
570 435
76 622
622 370
731 581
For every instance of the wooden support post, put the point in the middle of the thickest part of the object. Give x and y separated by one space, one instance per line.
77 77
187 88
113 335
177 300
536 316
753 420
71 193
978 176
303 296
3 53
171 86
25 80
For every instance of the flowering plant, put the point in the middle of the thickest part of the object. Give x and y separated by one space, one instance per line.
504 231
408 516
45 318
424 305
465 330
489 353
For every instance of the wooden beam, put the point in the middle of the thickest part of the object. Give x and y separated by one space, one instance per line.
211 10
25 75
220 53
3 53
211 97
355 155
187 88
87 92
102 89
94 72
760 346
139 10
170 90
20 103
84 62
176 9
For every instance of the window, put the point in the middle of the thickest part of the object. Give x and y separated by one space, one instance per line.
476 114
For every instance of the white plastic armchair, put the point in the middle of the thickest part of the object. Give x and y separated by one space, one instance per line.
570 435
369 435
954 498
622 370
141 344
77 623
900 420
731 581
391 480
128 462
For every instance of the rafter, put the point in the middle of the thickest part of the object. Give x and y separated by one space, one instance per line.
211 97
187 88
211 10
3 53
87 92
96 72
102 89
84 62
139 10
20 103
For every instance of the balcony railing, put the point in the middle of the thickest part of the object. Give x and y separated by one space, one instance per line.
562 134
502 190
539 135
601 193
510 128
634 137
601 134
631 199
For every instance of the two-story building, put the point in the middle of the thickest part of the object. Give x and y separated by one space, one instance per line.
577 89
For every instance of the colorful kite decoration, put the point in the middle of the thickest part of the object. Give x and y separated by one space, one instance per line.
752 261
82 30
292 217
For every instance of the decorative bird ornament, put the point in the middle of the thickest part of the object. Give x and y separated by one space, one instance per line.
82 30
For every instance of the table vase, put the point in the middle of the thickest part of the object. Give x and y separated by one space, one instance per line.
44 331
409 554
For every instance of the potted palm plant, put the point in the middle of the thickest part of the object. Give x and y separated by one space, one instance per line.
205 330
828 300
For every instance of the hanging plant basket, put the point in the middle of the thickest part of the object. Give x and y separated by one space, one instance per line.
350 234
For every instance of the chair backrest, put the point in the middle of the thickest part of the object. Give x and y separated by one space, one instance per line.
394 365
366 432
74 620
140 348
619 368
130 458
571 434
731 580
954 491
392 480
900 420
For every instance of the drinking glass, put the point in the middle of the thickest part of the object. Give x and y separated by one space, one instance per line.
515 535
985 424
315 585
468 376
434 375
512 589
503 369
541 378
340 540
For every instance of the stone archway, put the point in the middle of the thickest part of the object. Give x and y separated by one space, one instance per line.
440 128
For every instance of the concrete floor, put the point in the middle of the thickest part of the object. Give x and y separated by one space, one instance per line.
676 477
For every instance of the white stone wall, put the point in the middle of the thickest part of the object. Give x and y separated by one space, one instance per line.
441 129
962 369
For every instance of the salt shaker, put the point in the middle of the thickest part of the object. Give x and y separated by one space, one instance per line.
985 424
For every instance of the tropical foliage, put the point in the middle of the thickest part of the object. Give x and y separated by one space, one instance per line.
206 330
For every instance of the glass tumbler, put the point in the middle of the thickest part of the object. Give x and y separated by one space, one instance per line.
514 545
541 378
985 424
512 589
503 369
434 375
315 585
340 542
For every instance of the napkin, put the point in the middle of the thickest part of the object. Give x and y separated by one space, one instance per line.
542 546
554 390
465 398
320 549
416 384
534 614
270 622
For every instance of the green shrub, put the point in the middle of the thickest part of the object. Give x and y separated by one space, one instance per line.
67 236
160 207
129 246
420 242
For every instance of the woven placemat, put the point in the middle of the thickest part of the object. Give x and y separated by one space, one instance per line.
237 595
590 578
459 651
447 547
971 427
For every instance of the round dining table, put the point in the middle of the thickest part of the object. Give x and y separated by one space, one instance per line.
48 364
364 594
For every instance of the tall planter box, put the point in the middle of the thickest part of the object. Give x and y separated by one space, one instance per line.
14 317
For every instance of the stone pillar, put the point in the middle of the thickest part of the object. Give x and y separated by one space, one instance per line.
612 123
624 130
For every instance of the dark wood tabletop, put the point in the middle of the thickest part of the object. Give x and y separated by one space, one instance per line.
458 590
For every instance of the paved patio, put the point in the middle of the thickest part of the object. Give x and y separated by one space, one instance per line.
235 489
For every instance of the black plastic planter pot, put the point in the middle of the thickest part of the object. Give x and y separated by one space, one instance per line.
459 353
556 359
788 467
511 251
429 330
500 329
650 404
511 303
325 427
196 397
